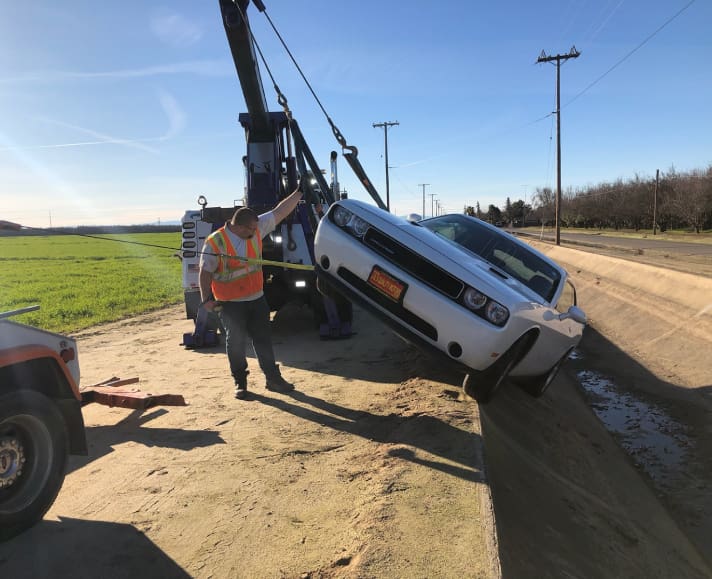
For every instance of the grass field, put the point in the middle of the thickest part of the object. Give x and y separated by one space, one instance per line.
80 281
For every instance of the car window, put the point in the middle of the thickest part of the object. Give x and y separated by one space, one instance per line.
567 299
500 250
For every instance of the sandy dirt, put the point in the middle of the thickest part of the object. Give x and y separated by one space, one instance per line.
369 469
377 466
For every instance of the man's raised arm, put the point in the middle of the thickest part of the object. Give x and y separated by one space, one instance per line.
286 205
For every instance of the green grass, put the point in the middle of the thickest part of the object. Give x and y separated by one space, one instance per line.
80 282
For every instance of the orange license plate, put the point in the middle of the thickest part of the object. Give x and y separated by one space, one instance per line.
386 283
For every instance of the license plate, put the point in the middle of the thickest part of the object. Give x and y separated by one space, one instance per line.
386 284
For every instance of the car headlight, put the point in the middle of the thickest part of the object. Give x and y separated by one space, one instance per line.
342 216
359 226
497 313
474 299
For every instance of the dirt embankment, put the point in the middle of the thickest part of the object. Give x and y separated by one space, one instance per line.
372 468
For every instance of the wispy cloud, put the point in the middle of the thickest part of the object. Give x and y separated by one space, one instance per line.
176 123
176 115
102 138
175 29
213 68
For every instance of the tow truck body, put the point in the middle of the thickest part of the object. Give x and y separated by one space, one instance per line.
41 420
277 160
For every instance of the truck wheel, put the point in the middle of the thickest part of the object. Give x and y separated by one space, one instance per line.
482 386
33 455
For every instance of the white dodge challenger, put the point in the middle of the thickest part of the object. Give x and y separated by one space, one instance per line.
457 287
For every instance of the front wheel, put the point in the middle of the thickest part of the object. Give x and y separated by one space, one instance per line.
482 386
33 456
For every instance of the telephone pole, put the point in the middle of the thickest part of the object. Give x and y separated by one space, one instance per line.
573 53
385 126
432 205
423 185
655 202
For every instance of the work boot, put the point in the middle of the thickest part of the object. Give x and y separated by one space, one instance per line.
279 384
241 387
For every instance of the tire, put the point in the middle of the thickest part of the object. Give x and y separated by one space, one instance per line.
33 456
482 386
537 385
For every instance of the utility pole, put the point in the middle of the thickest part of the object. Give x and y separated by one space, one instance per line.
385 126
573 53
423 185
655 202
432 197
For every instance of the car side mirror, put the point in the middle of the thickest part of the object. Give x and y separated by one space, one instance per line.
576 314
414 218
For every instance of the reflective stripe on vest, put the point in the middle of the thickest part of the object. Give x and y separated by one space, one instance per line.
234 278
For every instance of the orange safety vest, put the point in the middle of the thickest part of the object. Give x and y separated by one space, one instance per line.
235 279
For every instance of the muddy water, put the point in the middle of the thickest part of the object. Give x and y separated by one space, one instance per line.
656 443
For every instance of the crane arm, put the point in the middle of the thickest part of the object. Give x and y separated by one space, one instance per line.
242 48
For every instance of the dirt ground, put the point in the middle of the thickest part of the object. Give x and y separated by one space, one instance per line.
366 470
375 467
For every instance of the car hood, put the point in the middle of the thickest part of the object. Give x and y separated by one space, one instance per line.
467 266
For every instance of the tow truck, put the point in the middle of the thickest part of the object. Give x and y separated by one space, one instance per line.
40 420
276 161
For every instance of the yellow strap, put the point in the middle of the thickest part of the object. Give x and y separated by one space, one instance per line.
256 261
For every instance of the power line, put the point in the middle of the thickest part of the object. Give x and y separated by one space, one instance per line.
648 38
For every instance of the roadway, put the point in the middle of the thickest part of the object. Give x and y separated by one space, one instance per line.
633 244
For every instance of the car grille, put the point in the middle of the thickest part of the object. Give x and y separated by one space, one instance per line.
397 310
413 263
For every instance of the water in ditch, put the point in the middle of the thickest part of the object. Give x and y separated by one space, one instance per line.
656 442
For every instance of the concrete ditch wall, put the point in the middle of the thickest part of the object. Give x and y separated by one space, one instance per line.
661 317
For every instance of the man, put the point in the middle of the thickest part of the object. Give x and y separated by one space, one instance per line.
237 286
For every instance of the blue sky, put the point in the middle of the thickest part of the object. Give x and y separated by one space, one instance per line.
126 112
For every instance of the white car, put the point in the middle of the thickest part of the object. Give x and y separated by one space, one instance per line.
457 286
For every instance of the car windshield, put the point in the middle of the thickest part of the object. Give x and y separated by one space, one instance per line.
500 250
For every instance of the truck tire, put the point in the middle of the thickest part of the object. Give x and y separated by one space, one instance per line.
33 456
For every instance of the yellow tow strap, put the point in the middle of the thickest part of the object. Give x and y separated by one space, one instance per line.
285 264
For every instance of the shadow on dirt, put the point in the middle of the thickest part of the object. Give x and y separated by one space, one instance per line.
102 439
569 501
426 433
387 358
386 353
85 550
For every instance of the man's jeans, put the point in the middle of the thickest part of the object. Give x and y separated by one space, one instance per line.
242 321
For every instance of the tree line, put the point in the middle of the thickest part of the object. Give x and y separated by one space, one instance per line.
674 200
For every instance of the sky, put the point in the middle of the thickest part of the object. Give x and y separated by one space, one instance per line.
119 113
